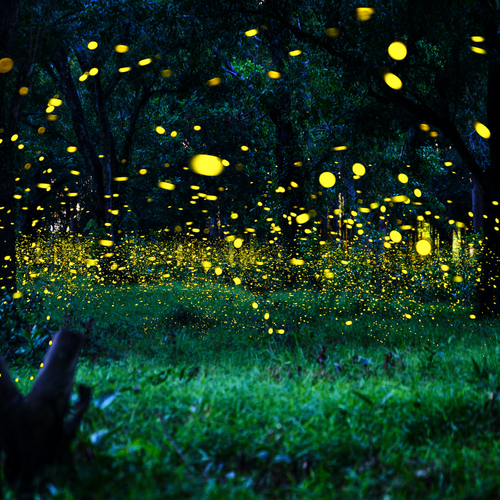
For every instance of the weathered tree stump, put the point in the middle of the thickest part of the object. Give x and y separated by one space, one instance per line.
34 436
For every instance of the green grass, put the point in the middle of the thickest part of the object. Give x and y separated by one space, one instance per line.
205 403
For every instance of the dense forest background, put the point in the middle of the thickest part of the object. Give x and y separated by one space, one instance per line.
104 105
262 237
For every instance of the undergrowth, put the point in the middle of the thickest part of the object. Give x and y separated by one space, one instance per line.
207 389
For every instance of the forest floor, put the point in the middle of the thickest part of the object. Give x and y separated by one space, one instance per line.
193 397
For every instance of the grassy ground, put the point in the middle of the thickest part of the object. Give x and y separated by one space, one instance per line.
194 398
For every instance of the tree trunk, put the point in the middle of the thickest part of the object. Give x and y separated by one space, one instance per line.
33 433
85 144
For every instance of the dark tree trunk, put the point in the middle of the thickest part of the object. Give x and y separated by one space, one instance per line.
33 433
85 144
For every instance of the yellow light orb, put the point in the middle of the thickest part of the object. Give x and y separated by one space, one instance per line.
121 49
213 82
359 169
250 33
166 185
92 45
364 13
423 247
417 193
206 165
403 178
332 32
482 130
6 64
327 179
397 51
160 130
295 53
395 236
393 81
274 74
302 218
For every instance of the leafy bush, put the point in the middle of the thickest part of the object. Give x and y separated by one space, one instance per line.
24 336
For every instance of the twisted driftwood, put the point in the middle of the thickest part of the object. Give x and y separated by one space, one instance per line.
33 434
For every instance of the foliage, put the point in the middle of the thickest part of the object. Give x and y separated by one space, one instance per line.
24 333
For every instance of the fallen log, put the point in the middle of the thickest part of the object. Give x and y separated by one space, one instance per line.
34 436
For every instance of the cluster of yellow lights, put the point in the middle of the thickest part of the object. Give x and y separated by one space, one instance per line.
213 166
